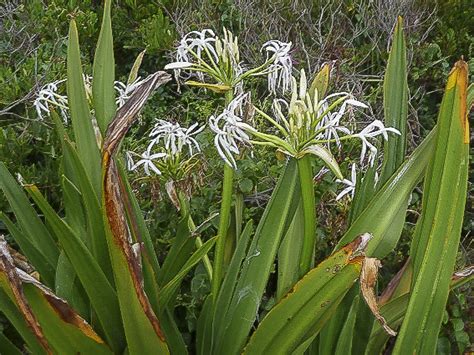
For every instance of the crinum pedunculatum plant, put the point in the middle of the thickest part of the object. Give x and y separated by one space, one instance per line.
99 277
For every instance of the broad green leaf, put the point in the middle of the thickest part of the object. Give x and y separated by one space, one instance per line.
395 308
167 291
387 202
28 220
96 240
344 344
7 347
14 316
104 73
395 100
181 249
289 254
101 294
238 319
301 314
436 241
35 257
211 322
309 214
81 119
56 325
142 328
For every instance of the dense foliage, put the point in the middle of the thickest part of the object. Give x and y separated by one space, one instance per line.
351 35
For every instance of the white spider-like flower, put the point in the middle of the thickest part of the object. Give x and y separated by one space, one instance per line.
279 72
351 184
147 162
175 137
48 95
124 91
191 49
374 129
230 130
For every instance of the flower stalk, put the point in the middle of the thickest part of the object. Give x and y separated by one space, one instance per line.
309 214
224 221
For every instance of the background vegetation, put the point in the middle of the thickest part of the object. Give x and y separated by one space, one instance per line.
354 35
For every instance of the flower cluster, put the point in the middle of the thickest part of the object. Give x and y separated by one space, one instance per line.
230 129
49 95
209 57
166 148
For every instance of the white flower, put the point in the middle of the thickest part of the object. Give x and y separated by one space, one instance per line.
48 95
175 137
191 49
124 91
351 184
374 129
147 162
230 130
279 72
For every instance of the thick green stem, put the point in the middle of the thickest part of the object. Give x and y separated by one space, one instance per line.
309 213
224 221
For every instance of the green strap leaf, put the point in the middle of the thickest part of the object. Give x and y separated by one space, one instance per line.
302 313
101 294
104 73
395 99
31 225
56 325
237 321
436 242
81 119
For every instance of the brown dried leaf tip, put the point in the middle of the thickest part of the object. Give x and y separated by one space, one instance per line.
368 279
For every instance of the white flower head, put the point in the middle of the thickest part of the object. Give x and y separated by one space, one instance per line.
48 95
124 91
194 48
147 161
374 129
350 184
231 130
280 71
175 137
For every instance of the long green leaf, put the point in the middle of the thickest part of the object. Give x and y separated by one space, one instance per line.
104 73
101 294
301 314
14 316
142 328
395 100
55 323
168 290
240 315
435 245
385 205
28 219
81 119
35 257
